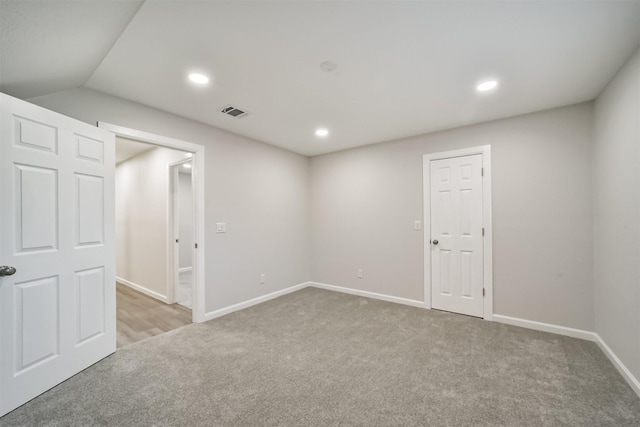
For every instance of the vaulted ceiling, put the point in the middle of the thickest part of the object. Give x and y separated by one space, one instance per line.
402 68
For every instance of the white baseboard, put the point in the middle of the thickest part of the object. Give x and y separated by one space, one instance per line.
626 374
143 290
545 327
514 321
575 333
235 307
185 269
383 297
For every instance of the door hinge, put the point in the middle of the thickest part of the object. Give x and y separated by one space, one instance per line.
481 171
196 246
483 231
482 291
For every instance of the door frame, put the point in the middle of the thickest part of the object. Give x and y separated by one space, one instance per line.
485 151
173 225
198 180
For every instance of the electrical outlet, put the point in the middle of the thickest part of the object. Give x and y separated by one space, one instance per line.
263 278
221 227
417 225
360 273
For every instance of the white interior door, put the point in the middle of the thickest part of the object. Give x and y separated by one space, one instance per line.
456 235
182 223
57 312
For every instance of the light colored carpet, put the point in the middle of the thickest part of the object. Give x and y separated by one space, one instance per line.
320 358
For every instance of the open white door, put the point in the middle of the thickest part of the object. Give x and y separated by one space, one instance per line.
57 312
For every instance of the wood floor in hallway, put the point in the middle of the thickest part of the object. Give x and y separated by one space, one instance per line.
140 316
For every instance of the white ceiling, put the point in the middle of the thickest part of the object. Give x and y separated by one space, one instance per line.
128 148
47 46
404 68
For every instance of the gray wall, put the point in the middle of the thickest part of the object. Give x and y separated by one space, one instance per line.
364 202
260 191
142 193
616 184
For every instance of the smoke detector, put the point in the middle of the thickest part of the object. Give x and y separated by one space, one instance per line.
234 112
328 66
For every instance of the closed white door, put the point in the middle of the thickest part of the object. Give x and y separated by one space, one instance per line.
57 311
456 235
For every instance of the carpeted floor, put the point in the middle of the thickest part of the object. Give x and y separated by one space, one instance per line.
320 358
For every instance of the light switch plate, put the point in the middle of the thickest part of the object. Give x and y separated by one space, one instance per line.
221 227
417 225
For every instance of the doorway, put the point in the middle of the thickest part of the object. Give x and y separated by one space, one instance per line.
146 286
193 155
457 243
182 226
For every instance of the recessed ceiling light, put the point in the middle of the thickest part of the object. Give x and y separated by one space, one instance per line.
187 165
200 79
322 132
488 85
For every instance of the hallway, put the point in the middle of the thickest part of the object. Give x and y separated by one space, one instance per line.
140 316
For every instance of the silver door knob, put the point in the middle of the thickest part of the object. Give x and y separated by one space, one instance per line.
435 242
7 271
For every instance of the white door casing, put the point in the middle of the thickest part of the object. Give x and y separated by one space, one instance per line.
198 182
458 273
57 312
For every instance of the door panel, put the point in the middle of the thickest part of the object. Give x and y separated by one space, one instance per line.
36 217
57 312
89 210
37 332
34 135
456 225
90 298
89 149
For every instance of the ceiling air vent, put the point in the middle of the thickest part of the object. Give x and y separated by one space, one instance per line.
232 111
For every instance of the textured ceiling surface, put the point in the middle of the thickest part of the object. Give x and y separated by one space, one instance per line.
403 68
129 148
48 46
